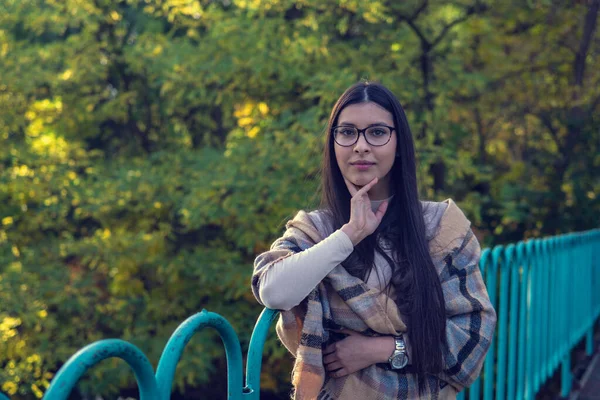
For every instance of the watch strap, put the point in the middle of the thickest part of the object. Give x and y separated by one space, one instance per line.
409 369
400 343
399 349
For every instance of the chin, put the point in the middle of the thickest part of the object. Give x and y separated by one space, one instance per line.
362 179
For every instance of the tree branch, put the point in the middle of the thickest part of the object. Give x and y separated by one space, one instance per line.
545 118
410 20
424 42
591 19
475 9
418 11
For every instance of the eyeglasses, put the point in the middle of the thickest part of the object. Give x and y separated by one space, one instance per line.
377 135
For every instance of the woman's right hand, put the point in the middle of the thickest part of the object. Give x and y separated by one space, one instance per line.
363 221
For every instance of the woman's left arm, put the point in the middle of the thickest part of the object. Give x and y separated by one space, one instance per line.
471 319
356 352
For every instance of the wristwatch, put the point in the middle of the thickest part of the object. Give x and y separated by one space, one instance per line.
399 357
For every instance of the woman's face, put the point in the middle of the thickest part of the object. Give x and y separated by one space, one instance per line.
361 116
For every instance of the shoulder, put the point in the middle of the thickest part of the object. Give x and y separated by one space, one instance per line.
432 214
322 221
313 224
448 225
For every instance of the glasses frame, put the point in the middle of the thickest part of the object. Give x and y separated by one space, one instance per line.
364 132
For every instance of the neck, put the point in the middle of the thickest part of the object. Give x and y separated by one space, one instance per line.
381 190
382 199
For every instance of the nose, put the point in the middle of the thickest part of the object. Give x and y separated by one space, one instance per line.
361 146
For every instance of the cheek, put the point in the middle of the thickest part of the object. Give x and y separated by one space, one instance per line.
387 160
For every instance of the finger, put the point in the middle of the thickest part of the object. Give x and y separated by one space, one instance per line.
334 366
330 358
329 349
339 373
351 187
381 210
367 187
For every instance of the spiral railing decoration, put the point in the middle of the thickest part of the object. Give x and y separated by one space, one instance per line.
158 386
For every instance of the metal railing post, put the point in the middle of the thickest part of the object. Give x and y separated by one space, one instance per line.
66 378
180 338
255 353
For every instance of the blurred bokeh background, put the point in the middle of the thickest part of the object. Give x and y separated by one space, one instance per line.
150 149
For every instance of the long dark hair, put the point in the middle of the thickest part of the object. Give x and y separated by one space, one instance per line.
419 292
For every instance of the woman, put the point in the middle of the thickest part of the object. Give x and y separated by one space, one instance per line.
381 293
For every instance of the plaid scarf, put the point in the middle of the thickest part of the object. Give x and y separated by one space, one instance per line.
342 300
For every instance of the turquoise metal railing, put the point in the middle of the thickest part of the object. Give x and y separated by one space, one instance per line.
542 290
158 387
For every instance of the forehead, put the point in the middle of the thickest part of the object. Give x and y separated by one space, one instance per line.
365 114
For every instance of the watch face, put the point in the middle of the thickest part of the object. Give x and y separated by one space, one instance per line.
399 361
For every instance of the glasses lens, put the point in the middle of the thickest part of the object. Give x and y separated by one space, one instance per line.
345 135
378 135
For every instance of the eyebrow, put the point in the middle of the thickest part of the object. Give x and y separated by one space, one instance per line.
373 124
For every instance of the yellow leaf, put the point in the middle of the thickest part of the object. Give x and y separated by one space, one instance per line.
243 111
263 108
67 75
245 121
36 390
10 387
157 50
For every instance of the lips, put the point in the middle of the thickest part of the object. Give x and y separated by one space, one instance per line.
363 166
362 163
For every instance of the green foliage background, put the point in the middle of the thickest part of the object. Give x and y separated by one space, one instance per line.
150 149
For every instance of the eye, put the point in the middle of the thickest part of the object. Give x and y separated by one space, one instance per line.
378 131
345 131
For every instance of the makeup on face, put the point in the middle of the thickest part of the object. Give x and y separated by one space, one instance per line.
361 161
